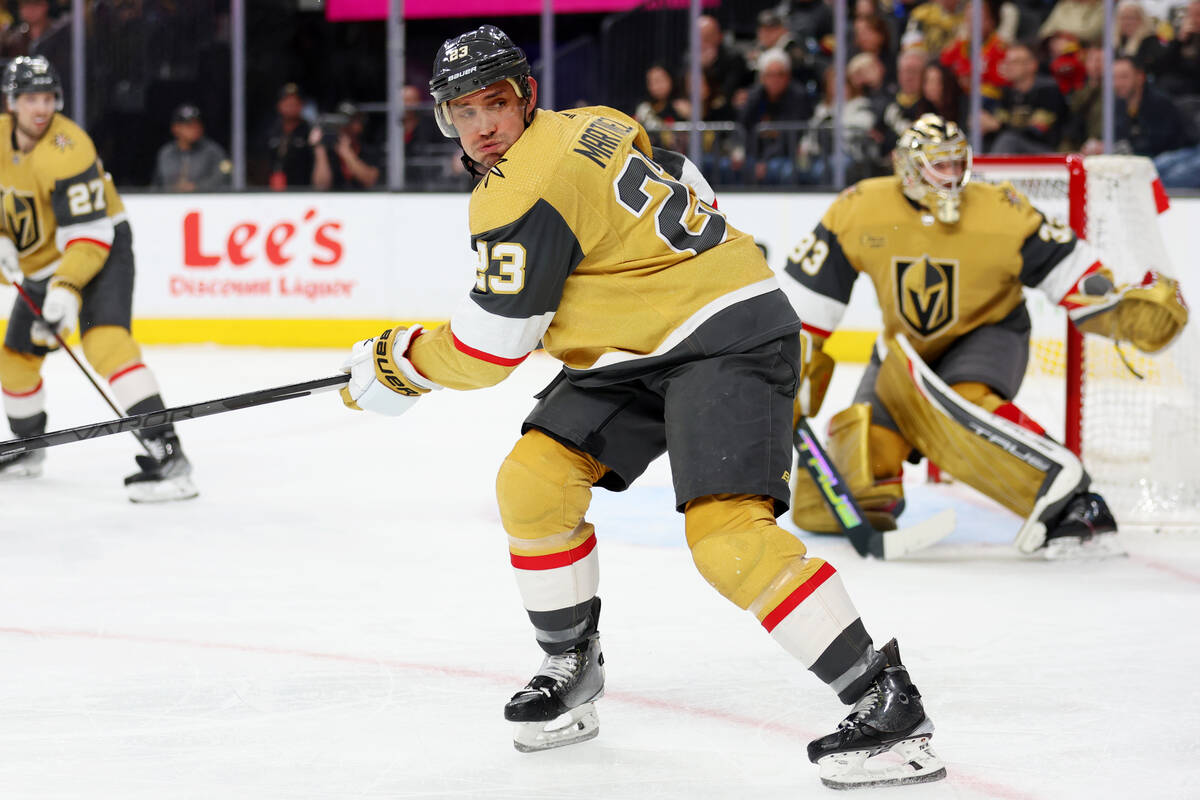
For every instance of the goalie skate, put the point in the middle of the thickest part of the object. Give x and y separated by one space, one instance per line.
1086 530
28 464
556 708
162 479
885 739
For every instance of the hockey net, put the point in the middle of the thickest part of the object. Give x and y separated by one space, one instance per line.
1139 438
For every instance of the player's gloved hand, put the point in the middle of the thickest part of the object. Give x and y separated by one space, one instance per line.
814 380
1149 315
10 261
61 310
382 379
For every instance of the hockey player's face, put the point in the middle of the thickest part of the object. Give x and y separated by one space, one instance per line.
33 111
489 121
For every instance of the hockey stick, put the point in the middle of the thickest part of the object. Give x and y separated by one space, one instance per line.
87 373
862 535
153 419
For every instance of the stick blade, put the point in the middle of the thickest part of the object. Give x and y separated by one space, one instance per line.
904 541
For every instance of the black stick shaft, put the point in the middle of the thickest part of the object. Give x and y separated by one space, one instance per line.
155 418
835 492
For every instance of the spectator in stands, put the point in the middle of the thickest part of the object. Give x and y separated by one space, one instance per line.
430 159
1085 122
717 147
865 73
193 162
815 157
1136 36
871 36
811 21
901 112
957 54
39 33
942 94
1145 122
661 108
723 66
1180 65
934 24
1084 19
773 34
1179 169
1067 63
1031 111
354 163
774 99
882 11
293 148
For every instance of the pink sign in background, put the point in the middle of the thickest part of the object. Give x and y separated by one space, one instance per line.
346 10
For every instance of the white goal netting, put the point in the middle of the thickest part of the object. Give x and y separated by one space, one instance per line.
1139 438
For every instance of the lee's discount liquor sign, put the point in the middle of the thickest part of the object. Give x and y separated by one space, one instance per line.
300 255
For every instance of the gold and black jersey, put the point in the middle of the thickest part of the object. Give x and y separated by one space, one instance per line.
57 203
934 282
586 244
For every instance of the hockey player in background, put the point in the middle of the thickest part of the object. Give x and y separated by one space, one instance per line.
948 259
675 337
68 242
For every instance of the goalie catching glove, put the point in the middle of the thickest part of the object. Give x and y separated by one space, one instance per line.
1149 315
382 379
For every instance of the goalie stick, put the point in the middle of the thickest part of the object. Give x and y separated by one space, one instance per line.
862 535
154 418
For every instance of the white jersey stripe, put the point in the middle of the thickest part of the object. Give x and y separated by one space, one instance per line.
1066 273
503 337
815 310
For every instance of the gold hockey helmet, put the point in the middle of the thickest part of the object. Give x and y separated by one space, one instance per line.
933 161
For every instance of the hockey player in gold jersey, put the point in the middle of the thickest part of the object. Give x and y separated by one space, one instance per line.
674 337
948 258
67 240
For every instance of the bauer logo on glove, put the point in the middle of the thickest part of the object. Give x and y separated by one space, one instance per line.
382 379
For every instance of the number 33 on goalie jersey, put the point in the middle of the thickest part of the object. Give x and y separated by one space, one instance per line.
57 198
586 244
934 282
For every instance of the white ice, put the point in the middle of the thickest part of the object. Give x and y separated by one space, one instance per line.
335 617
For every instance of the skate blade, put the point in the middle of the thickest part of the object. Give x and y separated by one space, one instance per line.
164 491
907 761
1072 548
577 725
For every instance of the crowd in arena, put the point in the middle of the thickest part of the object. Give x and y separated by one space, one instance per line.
1041 85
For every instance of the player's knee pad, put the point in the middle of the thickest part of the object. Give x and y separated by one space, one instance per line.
870 459
737 546
19 372
108 348
544 487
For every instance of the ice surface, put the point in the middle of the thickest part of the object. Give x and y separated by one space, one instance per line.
335 617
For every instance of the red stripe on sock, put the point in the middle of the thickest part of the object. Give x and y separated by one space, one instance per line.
30 393
797 596
555 560
122 373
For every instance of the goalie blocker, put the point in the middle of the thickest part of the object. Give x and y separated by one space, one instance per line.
1031 475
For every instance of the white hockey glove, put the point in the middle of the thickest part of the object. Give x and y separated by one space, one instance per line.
10 261
382 379
61 310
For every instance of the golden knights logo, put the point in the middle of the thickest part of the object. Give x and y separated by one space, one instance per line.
926 293
21 219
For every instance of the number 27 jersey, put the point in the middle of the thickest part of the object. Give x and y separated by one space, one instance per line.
585 244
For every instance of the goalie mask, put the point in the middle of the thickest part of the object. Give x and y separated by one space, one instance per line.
933 161
474 61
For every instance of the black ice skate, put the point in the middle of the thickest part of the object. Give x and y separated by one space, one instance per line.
167 476
885 740
556 707
27 464
1086 529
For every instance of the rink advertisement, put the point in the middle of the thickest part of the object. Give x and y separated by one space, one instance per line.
319 269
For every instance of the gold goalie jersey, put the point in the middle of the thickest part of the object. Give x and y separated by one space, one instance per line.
934 282
58 204
586 244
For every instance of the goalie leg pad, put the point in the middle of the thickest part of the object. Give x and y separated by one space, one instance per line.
870 459
1029 474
